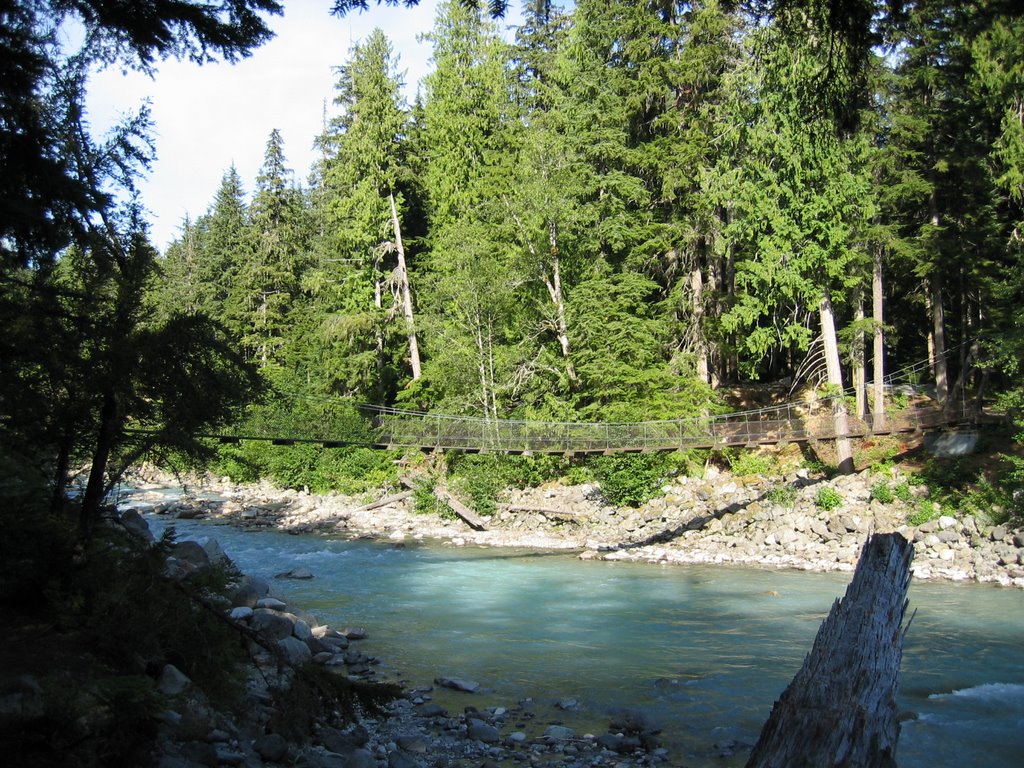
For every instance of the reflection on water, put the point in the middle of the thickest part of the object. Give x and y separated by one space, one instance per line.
703 650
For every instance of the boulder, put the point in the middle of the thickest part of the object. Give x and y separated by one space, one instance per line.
295 651
172 681
250 591
187 558
481 731
272 625
136 525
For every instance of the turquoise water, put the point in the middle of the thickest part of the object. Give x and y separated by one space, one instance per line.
704 651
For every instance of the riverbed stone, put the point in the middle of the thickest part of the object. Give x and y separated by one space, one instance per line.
478 730
458 684
250 591
558 733
300 574
272 625
296 652
272 603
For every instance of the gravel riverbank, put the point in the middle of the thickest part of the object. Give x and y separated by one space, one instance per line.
719 518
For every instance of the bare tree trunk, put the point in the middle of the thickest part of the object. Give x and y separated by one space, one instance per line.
378 302
840 708
403 273
554 285
939 338
878 354
844 451
697 314
481 366
859 377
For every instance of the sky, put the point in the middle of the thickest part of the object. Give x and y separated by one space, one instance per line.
208 117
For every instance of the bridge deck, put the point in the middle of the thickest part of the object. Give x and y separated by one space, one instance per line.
792 422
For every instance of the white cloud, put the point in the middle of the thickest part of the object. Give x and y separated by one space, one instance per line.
209 117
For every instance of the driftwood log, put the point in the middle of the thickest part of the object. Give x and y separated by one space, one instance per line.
840 709
472 519
392 499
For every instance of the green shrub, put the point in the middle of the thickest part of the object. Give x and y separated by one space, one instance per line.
781 495
902 491
751 463
924 511
424 502
828 499
479 479
882 492
630 479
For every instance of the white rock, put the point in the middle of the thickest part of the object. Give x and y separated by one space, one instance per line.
242 613
946 522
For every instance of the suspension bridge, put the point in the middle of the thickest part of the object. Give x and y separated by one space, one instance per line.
797 422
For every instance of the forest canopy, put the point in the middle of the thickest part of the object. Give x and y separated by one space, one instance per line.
611 217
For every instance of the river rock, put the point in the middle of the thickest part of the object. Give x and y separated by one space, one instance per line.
187 558
343 742
458 684
558 733
481 731
272 625
272 603
250 592
172 681
295 573
136 525
399 759
241 613
295 651
301 630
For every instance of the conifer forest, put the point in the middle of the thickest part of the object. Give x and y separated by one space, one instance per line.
614 215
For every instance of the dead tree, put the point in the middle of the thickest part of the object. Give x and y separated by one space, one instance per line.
840 709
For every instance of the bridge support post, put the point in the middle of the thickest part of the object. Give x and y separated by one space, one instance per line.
840 709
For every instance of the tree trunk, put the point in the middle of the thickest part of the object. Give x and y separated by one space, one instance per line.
697 310
941 368
554 286
840 708
844 453
859 379
878 354
92 499
403 274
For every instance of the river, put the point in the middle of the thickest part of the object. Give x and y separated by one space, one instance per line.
704 651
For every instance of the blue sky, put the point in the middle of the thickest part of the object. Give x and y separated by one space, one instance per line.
208 117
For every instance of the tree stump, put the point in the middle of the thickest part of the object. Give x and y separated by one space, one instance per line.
840 708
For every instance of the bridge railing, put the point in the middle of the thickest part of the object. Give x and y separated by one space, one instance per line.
787 422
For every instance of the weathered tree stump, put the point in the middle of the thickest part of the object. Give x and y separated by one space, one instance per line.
840 708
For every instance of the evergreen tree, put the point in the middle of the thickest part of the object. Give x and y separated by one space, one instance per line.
364 277
471 130
266 285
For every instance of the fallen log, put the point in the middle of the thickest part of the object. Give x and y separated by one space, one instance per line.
471 518
392 499
840 708
546 511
